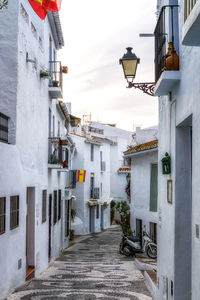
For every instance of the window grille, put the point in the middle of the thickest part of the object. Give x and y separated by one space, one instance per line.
55 207
3 128
2 215
188 6
59 204
44 206
14 212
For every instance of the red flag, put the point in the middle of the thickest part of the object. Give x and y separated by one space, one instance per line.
41 7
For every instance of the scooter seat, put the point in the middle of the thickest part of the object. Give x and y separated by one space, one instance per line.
133 238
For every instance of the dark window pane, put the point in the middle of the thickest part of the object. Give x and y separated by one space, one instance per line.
44 206
14 212
2 215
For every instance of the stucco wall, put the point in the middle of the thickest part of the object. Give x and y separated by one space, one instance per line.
25 99
140 189
184 104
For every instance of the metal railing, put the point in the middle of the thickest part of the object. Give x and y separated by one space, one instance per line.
188 6
55 69
55 151
71 179
95 193
3 128
164 33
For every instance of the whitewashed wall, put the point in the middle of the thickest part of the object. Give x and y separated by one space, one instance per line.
140 189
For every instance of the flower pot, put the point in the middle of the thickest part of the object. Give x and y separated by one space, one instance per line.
172 59
65 69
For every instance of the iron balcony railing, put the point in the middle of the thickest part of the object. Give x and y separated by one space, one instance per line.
55 151
55 70
165 33
95 193
3 128
71 179
188 6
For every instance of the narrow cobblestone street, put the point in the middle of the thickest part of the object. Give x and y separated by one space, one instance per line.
90 269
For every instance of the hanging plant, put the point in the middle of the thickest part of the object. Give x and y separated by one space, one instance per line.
105 204
45 74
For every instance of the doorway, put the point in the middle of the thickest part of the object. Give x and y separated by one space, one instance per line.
50 226
91 219
183 211
30 233
139 229
102 217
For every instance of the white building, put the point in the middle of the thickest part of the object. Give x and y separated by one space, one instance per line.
143 184
179 127
34 216
99 151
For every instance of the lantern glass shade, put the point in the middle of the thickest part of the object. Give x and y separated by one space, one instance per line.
129 63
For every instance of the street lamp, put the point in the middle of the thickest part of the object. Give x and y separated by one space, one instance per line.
129 63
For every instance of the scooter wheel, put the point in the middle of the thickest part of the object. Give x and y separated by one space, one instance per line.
127 250
120 248
152 252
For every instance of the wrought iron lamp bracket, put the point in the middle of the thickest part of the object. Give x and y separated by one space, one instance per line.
145 87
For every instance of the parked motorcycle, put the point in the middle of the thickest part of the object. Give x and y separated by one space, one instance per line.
130 245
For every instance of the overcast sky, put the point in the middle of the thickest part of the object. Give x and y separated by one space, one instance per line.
96 34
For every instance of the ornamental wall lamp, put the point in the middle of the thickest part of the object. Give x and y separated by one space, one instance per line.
166 164
129 63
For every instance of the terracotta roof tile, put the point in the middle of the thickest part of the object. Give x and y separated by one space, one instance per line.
124 169
142 147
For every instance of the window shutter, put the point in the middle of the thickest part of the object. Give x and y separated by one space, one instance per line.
154 188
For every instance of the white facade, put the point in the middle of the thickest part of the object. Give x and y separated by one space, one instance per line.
144 156
108 144
34 239
179 220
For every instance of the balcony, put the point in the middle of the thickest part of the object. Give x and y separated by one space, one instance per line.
56 82
190 32
71 179
95 194
57 154
167 72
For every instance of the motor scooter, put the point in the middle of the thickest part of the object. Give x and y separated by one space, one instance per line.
130 245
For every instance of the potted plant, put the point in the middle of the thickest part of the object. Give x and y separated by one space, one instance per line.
73 214
65 69
45 74
71 234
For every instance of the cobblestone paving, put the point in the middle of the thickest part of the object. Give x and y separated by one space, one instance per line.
90 269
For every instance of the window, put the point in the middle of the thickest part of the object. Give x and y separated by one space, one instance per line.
53 126
3 128
97 215
58 128
2 215
92 153
91 185
59 204
14 212
101 187
44 206
154 187
153 232
55 207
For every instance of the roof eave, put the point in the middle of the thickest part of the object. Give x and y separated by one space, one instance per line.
56 29
140 152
